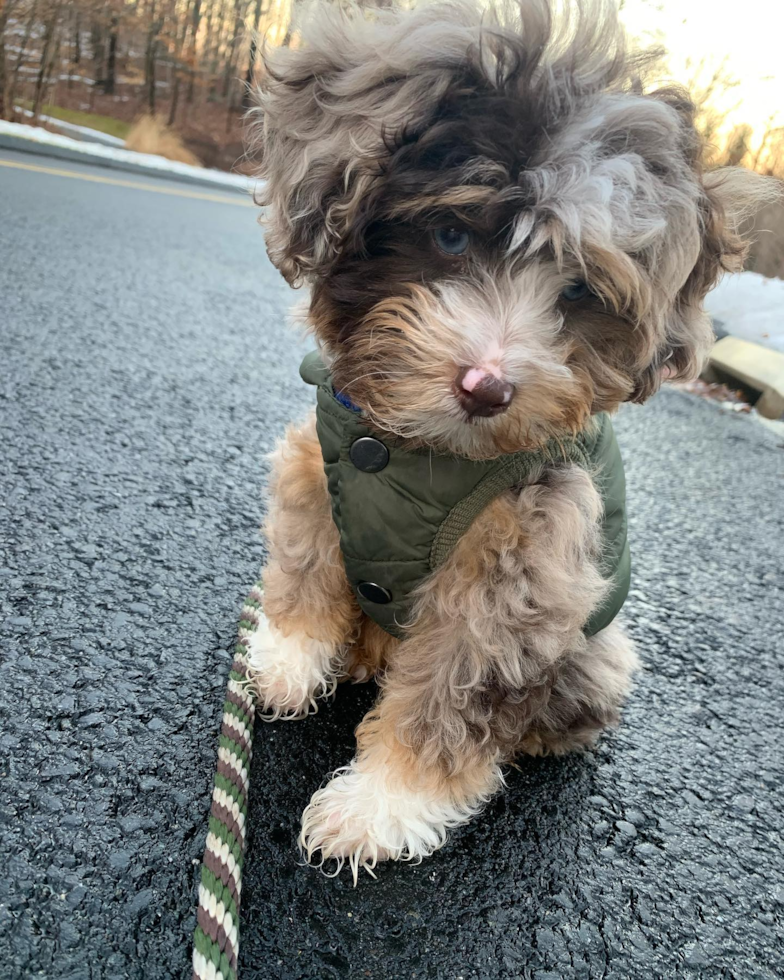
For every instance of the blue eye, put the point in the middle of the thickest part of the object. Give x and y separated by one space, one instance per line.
453 241
575 290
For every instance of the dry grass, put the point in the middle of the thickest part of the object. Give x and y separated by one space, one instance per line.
149 134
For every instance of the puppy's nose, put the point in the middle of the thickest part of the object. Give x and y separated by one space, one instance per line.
480 392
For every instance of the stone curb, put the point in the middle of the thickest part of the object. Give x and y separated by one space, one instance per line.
79 153
753 366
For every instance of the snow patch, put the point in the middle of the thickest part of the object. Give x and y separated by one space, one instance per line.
79 132
116 156
750 306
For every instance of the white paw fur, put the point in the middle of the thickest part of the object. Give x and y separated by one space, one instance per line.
289 673
363 817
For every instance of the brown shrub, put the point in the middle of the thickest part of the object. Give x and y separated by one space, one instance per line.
150 134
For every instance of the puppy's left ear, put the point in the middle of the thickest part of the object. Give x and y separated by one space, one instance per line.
730 197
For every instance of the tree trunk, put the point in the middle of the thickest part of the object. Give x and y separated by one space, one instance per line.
20 56
194 40
5 108
213 93
175 98
111 61
47 61
152 52
97 45
233 49
74 51
207 47
180 56
6 103
250 77
149 59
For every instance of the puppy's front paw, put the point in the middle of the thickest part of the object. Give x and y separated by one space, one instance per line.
289 673
364 816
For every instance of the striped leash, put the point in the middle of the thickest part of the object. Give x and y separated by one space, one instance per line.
216 942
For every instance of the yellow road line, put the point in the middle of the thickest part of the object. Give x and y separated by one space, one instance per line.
175 192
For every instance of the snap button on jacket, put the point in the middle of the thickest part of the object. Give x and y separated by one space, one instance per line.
400 512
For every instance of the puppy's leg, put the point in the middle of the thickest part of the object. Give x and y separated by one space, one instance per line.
370 653
309 612
407 785
587 695
475 671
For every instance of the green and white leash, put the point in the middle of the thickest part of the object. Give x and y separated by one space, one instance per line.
216 943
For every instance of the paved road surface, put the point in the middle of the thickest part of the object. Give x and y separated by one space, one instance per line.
145 369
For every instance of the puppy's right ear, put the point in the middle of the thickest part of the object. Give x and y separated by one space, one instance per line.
321 110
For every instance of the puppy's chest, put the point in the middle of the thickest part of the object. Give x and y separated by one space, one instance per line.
400 513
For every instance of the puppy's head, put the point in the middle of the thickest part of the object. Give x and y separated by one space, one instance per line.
503 233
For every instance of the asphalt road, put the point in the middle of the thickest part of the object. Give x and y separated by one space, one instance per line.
145 369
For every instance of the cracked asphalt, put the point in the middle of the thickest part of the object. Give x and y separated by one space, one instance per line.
145 370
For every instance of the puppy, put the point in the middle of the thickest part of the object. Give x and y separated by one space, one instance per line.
505 237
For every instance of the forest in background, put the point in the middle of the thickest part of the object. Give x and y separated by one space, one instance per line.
188 62
188 65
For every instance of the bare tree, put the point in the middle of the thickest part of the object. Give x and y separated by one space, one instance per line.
711 101
232 53
97 49
29 24
8 9
218 45
182 54
111 58
193 56
151 54
48 58
247 94
737 146
5 13
77 38
122 56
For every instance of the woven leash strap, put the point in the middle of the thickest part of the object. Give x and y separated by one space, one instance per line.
216 943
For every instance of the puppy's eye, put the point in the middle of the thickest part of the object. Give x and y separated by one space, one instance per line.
575 290
453 241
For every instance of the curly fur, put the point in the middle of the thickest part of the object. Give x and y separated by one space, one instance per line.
537 134
304 547
492 626
533 134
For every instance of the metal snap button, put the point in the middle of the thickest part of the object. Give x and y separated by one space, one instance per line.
374 593
368 454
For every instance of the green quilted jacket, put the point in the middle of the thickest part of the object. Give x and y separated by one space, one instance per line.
400 512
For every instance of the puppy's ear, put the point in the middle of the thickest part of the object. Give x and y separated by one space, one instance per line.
730 196
323 113
293 132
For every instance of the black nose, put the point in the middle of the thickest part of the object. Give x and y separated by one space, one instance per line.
481 393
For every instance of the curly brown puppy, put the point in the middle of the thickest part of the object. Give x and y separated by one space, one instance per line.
505 237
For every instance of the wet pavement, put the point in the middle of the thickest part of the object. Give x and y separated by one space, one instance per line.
145 369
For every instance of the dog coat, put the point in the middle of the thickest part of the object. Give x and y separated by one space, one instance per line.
400 512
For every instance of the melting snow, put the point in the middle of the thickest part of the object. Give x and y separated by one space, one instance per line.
97 154
749 306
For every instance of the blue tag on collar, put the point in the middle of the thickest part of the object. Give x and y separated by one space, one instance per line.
346 402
